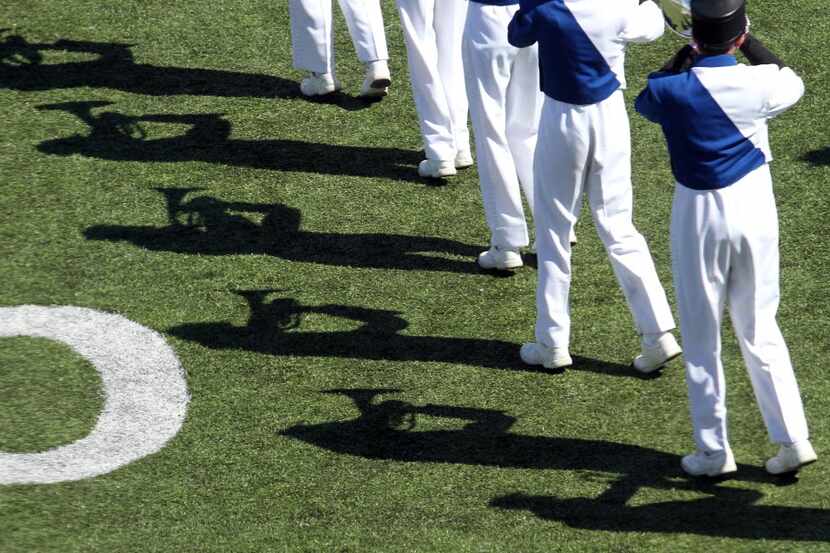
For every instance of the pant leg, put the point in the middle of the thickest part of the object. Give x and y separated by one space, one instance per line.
365 22
417 22
449 32
524 109
488 59
753 304
312 39
560 163
610 196
700 263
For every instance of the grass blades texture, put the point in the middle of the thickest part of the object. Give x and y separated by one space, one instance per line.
355 379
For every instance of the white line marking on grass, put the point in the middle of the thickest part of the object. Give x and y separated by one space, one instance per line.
144 387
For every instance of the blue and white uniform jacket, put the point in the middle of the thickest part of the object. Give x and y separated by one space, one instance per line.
582 43
714 117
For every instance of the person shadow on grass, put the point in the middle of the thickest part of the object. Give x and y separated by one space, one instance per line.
117 137
111 65
206 225
275 327
389 430
819 157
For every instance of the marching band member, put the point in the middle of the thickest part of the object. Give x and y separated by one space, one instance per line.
584 147
432 32
724 229
505 104
312 40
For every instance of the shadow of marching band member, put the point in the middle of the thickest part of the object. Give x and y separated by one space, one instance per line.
818 158
275 328
111 65
208 226
117 137
390 430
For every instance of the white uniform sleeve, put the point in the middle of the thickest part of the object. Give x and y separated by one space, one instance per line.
644 22
786 88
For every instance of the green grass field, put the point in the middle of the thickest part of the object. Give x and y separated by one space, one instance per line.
355 379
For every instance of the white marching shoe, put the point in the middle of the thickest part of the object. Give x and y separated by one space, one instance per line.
534 353
463 159
319 84
377 80
709 463
790 458
656 352
498 258
436 168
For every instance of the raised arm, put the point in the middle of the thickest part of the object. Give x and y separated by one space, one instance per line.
521 32
785 87
758 54
681 61
644 22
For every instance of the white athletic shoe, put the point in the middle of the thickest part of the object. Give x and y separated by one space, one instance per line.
436 168
319 84
535 353
497 258
656 353
463 159
790 458
377 81
709 463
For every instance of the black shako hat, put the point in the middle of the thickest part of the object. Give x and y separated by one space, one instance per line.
717 23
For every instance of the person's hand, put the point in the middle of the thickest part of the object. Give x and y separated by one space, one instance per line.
681 61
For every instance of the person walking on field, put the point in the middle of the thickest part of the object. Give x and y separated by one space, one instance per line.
312 40
433 32
724 228
584 146
505 105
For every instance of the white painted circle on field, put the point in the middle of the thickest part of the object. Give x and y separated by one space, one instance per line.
145 392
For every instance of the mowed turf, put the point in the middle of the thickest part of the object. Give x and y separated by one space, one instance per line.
354 378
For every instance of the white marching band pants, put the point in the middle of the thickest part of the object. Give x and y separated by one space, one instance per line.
725 253
433 31
505 106
312 32
588 149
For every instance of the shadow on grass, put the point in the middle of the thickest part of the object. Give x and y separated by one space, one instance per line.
818 157
112 66
209 226
118 137
390 430
728 512
274 328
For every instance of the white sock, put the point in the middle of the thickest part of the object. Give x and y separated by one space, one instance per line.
651 340
377 66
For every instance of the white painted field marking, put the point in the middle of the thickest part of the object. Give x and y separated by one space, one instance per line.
144 387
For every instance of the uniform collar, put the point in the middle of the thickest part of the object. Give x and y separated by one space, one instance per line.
722 60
